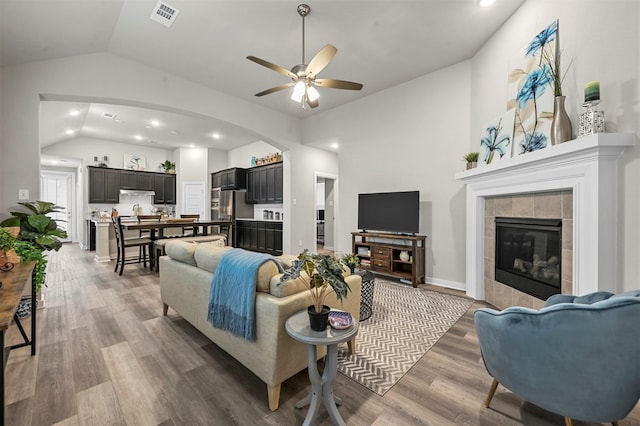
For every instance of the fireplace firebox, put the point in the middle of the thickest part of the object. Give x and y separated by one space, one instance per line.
528 255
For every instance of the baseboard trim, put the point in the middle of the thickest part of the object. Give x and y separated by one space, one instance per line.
446 283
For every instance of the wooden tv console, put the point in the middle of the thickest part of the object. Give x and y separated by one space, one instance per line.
381 253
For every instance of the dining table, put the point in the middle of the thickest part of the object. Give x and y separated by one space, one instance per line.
156 228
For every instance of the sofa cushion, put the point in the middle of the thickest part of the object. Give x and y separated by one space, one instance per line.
286 260
207 256
181 251
289 287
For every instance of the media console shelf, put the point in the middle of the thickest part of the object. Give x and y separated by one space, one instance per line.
382 253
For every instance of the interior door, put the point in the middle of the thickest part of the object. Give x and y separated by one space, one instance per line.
57 188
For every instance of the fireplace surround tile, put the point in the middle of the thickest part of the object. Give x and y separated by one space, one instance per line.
522 206
503 206
567 234
567 205
547 205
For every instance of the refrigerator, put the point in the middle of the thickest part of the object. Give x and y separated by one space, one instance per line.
229 205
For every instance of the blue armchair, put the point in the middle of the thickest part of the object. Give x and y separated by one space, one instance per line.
578 357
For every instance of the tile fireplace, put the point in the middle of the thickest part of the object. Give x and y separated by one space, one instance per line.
582 170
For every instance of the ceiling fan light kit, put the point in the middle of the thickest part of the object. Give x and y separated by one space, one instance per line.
304 75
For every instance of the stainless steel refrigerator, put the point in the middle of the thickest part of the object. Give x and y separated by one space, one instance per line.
229 205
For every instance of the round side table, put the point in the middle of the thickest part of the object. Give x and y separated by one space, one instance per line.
366 295
297 327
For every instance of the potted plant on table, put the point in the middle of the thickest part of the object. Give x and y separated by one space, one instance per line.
350 260
7 240
322 275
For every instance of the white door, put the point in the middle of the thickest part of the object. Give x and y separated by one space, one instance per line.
193 198
57 188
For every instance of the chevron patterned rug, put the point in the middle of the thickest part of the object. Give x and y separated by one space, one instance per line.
406 322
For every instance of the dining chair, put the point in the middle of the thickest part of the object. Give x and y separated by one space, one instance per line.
189 230
144 244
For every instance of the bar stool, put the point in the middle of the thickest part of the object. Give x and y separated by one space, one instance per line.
143 244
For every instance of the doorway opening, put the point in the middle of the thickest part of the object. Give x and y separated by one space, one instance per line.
326 187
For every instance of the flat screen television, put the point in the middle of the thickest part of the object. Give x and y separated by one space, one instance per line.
389 212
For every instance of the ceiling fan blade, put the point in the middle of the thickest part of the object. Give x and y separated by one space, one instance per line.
275 89
276 68
337 84
321 60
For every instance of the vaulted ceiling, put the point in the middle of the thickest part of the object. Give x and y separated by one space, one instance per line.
380 43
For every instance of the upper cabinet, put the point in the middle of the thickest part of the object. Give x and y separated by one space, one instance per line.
265 184
235 178
105 185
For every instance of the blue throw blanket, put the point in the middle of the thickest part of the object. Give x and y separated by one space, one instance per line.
232 296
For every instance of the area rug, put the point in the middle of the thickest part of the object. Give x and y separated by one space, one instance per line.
406 322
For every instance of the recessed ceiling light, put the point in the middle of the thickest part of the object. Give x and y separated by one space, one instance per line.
138 137
117 120
191 145
70 132
155 123
216 135
486 3
74 112
174 132
335 145
148 126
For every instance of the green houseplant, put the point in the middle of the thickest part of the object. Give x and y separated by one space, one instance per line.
471 158
36 226
350 260
7 240
321 274
168 166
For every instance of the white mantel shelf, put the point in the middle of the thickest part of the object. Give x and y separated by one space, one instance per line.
588 167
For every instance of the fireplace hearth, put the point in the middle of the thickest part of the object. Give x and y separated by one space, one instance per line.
528 255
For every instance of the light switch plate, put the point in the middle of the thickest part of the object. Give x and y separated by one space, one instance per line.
23 194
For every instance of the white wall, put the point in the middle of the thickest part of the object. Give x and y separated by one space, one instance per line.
409 137
603 40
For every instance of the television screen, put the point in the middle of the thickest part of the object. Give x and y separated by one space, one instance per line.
389 211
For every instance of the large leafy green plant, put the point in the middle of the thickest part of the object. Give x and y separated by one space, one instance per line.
322 274
36 226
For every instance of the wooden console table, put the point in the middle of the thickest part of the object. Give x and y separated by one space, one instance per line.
13 284
400 256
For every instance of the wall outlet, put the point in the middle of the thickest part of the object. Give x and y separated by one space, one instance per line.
23 194
299 242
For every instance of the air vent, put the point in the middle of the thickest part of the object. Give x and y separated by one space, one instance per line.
109 116
164 14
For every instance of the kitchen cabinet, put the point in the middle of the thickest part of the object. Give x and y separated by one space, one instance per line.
260 236
265 184
164 185
130 179
234 178
104 185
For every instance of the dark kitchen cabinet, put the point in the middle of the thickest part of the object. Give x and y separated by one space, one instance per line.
265 184
104 185
235 178
164 186
145 181
128 179
260 236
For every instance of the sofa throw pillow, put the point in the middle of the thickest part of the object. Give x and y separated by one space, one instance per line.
181 251
286 260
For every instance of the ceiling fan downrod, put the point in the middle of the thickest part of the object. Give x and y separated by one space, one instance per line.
303 10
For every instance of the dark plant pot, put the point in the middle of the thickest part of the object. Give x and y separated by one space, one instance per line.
318 320
352 268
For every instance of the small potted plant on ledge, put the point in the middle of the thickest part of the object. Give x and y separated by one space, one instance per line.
472 159
350 260
168 166
321 274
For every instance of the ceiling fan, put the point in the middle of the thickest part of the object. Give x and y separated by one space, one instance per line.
304 76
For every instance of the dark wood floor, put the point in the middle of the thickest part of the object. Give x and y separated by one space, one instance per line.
107 356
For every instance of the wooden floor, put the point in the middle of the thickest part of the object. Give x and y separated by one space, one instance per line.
107 356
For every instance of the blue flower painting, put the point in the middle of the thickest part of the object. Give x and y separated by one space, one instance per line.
531 92
496 142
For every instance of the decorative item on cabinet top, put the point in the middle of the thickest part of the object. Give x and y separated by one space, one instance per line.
268 159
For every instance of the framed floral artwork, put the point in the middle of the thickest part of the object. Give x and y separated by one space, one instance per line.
134 162
496 142
530 91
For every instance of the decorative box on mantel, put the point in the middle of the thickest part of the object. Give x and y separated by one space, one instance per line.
586 166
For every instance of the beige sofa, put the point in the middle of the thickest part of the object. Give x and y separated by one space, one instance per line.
185 278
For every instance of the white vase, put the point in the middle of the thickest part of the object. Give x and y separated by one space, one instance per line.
404 256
